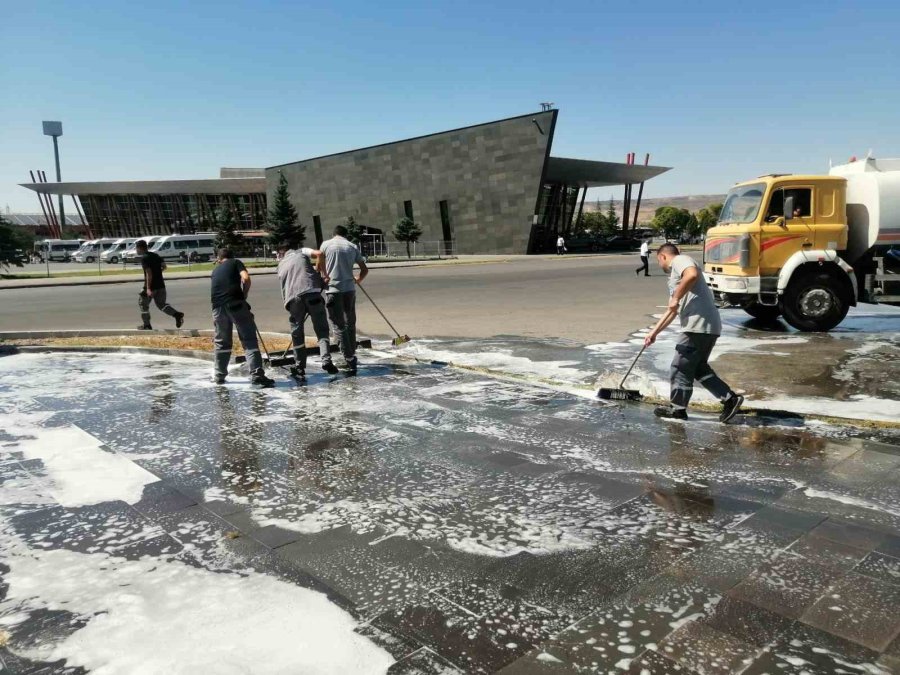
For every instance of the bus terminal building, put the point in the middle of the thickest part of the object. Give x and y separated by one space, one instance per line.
487 188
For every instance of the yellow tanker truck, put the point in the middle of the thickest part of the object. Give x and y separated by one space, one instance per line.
803 246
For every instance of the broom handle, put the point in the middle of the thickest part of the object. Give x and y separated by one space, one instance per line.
378 310
622 383
263 343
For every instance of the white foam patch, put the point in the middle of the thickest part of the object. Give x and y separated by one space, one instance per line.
150 616
855 407
78 470
498 359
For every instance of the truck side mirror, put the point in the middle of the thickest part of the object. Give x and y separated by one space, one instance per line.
789 207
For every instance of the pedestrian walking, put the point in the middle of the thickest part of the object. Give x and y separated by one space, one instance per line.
301 293
154 288
336 262
230 309
560 245
691 300
645 258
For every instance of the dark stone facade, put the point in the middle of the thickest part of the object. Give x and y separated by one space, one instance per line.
489 175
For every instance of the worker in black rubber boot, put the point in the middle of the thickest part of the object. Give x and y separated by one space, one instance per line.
229 289
692 301
154 287
301 293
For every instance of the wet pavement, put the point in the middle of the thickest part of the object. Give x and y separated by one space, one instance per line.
453 523
853 372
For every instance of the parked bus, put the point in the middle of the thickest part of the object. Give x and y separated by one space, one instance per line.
129 255
113 254
91 250
185 247
58 250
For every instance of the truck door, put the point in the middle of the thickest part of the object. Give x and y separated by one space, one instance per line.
781 237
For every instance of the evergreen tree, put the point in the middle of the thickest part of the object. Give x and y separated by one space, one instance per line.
612 220
226 230
13 240
406 230
355 231
282 221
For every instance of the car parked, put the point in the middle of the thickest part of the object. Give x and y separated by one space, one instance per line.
622 243
585 242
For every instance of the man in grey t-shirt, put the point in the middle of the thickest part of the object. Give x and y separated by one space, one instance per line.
693 303
336 264
301 292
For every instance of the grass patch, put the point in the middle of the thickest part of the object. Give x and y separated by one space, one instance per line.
118 271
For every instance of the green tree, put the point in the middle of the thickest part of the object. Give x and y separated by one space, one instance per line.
355 231
14 243
672 222
225 228
282 221
612 220
708 216
406 230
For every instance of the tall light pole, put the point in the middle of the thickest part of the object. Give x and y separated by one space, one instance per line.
55 129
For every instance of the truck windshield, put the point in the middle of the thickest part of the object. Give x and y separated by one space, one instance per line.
742 203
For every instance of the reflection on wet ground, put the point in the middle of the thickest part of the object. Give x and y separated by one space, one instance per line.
468 524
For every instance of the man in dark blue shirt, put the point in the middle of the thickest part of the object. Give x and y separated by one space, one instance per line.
229 289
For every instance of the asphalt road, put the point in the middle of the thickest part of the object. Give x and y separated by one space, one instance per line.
584 299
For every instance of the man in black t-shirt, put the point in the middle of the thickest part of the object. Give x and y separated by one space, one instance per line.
228 293
154 288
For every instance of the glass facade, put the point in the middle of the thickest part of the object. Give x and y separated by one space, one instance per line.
556 209
135 215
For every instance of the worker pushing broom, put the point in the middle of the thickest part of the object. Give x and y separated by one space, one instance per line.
690 300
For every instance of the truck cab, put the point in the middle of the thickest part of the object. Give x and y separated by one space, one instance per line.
775 250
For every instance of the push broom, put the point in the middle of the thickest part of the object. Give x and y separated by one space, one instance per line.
400 339
622 394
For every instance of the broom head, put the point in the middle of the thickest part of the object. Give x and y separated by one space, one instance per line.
619 394
400 339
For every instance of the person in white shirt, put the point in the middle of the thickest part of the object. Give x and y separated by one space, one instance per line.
560 245
645 258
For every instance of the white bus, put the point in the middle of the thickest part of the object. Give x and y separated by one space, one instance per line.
91 250
129 255
113 254
60 250
185 247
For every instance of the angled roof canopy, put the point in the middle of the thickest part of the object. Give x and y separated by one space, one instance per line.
240 186
588 173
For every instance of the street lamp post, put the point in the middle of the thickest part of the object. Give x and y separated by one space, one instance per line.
55 129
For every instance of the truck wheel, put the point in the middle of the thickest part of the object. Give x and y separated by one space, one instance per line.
814 302
89 259
114 260
761 312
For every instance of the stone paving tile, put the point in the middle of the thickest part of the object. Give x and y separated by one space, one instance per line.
805 650
706 650
746 622
880 566
788 585
848 533
423 662
860 609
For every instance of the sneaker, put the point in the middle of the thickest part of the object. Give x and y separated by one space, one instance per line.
219 379
668 412
329 367
298 373
262 381
730 407
145 326
179 320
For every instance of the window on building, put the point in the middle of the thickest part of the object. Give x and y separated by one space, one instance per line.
317 226
408 209
445 220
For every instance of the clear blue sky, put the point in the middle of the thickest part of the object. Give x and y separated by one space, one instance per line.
718 91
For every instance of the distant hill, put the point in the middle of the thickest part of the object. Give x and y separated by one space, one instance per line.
692 203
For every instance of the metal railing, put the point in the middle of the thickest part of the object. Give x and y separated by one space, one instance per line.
380 248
